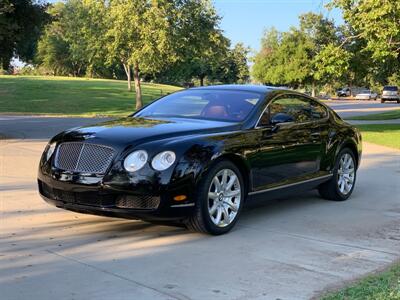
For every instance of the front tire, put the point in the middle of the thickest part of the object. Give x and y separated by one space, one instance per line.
341 185
220 197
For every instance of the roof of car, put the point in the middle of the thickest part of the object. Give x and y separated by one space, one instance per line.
240 87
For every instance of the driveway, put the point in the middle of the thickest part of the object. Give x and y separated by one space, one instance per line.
284 249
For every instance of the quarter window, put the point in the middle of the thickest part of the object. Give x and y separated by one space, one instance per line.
298 108
293 108
318 111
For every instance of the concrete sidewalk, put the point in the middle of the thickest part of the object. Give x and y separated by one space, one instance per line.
287 249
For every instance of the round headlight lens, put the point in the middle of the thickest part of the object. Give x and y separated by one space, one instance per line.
135 161
50 150
163 160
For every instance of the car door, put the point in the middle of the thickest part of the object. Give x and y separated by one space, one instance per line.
290 143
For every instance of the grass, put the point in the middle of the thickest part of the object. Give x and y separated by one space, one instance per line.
390 115
72 96
383 286
382 134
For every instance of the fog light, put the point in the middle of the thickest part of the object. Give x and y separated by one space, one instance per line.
180 198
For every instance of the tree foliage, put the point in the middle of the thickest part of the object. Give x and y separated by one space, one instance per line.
363 51
375 21
21 23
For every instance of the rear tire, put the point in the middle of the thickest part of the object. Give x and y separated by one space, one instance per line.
218 209
341 185
382 101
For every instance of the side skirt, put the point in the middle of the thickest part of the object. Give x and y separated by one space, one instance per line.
289 189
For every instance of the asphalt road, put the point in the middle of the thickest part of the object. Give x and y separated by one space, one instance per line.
359 108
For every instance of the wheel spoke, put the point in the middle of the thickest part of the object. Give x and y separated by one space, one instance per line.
219 215
213 208
224 179
212 195
233 206
232 180
217 184
341 187
225 212
232 193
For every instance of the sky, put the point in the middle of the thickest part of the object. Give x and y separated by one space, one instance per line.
245 20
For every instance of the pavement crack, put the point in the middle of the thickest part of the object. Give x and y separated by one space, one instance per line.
177 297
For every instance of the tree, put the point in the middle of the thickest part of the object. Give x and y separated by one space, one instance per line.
331 63
139 36
300 56
284 58
233 68
21 23
200 43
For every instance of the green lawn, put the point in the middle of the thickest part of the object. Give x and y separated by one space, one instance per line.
390 115
72 96
382 134
383 286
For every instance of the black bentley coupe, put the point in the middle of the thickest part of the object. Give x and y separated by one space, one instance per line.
196 156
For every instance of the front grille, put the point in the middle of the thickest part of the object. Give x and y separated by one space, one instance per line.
138 202
83 157
83 198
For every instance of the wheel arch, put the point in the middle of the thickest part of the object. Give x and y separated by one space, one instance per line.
240 163
353 148
243 167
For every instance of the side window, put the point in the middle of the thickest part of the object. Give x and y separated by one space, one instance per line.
264 120
291 107
318 111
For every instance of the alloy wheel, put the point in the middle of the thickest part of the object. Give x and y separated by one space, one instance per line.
224 196
346 174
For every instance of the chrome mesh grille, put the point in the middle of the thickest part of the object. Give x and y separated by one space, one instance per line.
138 202
83 157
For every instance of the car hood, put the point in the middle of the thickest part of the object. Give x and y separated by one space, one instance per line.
134 131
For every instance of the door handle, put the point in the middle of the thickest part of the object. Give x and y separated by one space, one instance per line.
316 134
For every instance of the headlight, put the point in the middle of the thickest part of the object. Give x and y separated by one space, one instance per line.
50 150
163 160
135 161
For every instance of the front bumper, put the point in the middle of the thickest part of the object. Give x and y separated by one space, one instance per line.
390 97
104 200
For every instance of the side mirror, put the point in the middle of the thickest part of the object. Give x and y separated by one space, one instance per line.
281 118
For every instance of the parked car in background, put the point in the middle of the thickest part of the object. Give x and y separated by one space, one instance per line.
196 155
367 95
390 93
344 92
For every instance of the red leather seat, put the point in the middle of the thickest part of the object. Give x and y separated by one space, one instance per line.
215 111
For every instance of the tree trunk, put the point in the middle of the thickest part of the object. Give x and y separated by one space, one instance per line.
313 89
201 80
127 69
138 89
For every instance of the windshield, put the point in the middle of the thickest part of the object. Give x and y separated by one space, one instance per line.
390 88
221 105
